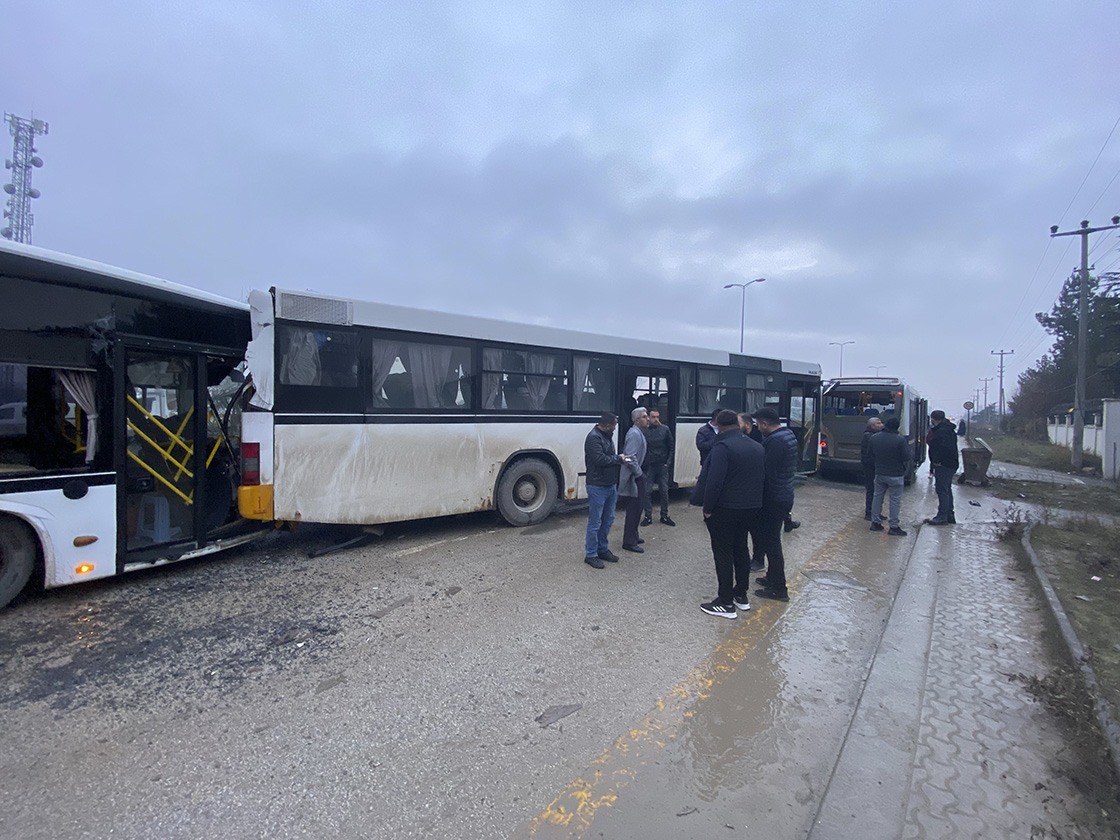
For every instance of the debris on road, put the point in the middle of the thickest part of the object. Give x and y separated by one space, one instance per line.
555 713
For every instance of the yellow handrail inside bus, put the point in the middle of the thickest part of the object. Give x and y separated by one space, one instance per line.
188 499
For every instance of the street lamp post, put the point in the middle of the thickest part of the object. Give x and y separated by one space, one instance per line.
743 310
841 344
875 368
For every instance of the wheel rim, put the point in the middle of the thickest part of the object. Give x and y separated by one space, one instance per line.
529 493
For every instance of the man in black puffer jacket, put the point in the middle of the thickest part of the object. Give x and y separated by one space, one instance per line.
943 461
780 444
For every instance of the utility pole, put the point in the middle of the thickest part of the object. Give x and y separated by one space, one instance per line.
1001 354
1077 458
841 344
985 380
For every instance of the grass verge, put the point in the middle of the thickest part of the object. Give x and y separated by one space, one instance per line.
1034 453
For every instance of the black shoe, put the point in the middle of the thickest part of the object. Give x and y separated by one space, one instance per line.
867 516
741 603
647 521
594 562
758 566
772 594
637 549
792 525
763 582
896 532
721 610
951 520
665 520
875 526
609 556
640 541
937 520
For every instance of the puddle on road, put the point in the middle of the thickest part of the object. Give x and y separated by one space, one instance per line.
829 577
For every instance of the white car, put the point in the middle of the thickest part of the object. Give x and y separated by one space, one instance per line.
13 420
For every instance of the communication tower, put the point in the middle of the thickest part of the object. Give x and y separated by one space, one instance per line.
17 211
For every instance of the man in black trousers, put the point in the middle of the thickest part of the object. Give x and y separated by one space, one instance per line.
730 491
943 462
780 445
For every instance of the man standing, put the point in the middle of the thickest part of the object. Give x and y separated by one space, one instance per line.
632 482
943 460
602 466
659 457
706 436
890 456
780 445
874 426
730 491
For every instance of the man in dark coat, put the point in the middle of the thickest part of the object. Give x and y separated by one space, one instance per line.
659 460
943 461
706 436
874 426
780 445
602 465
891 456
730 491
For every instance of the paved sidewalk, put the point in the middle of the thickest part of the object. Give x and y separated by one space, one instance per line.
947 741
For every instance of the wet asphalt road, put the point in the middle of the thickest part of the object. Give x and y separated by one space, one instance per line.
393 689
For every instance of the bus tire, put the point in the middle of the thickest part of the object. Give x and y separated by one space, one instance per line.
527 492
18 550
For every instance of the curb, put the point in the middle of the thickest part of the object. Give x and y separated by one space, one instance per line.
1106 719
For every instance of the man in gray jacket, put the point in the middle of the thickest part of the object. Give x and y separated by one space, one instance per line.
631 481
890 458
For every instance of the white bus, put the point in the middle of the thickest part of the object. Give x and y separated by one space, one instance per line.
120 450
851 402
368 413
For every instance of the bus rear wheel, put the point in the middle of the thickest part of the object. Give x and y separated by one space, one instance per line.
17 557
527 492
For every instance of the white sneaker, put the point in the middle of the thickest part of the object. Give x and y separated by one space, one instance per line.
721 610
741 604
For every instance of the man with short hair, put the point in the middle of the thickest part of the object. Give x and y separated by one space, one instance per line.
632 482
659 460
602 467
730 491
890 456
780 445
706 436
943 463
874 426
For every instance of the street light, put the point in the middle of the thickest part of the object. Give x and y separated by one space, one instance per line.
743 313
841 344
876 368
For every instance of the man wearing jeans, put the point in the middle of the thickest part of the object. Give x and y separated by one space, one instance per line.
602 465
890 457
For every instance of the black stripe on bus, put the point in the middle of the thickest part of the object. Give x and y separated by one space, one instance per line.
427 419
28 484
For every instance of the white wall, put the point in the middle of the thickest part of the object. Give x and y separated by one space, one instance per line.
1102 440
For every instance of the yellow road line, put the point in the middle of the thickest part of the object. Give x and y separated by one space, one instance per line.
575 807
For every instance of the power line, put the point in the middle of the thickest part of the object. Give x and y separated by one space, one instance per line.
1090 172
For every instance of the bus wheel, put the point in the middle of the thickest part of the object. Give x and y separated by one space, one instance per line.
17 557
527 492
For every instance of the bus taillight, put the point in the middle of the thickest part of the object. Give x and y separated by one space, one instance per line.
250 463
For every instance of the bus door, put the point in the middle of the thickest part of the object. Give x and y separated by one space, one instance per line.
650 388
803 421
160 424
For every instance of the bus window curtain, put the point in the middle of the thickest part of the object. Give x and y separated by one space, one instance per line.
82 386
430 366
491 384
580 395
538 385
301 361
384 355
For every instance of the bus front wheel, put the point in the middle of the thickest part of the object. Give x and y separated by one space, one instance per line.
527 492
17 557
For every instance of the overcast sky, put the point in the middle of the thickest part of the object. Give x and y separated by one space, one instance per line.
891 168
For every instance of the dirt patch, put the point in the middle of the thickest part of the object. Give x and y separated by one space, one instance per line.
1058 498
1039 454
1082 560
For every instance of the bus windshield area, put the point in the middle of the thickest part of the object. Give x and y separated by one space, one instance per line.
874 403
